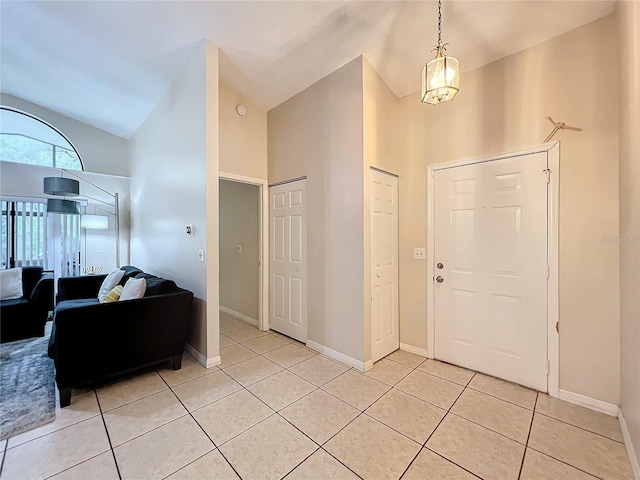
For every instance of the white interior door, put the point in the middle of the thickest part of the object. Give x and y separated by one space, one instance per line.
289 260
491 268
385 337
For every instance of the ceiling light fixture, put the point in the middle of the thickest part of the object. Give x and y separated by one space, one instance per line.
440 76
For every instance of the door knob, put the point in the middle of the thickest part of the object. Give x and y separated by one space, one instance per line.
295 268
439 279
379 275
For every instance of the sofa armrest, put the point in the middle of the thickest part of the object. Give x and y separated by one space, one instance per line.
85 286
42 294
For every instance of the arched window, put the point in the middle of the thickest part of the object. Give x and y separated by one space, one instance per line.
30 140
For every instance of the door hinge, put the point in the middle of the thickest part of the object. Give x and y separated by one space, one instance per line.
548 367
558 327
547 171
548 272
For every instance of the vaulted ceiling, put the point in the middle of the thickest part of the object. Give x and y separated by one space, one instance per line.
107 63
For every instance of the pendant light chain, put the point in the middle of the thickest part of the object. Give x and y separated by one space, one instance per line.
439 23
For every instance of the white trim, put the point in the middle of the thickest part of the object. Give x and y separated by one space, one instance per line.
341 357
415 350
553 315
368 365
635 465
588 402
201 359
263 304
553 163
239 316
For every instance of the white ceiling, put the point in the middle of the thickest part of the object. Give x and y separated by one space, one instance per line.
108 63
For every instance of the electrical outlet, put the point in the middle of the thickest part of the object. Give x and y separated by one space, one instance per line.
419 254
201 255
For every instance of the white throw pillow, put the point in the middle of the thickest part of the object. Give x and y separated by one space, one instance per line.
11 283
111 281
134 288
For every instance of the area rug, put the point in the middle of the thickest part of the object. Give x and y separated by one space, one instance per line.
27 386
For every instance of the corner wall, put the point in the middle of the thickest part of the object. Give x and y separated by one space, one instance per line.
629 236
319 133
174 183
502 107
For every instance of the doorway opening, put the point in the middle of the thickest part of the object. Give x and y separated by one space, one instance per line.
243 286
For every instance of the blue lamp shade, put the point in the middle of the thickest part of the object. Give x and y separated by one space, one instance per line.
94 222
62 187
58 205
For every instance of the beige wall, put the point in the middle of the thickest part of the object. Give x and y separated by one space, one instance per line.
383 149
101 152
318 133
173 184
629 17
502 107
239 225
243 140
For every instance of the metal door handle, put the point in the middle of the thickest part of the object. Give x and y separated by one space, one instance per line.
439 279
295 268
379 275
440 266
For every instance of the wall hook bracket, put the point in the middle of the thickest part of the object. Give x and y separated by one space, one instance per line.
559 126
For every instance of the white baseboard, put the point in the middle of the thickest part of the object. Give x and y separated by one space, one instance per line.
588 402
411 349
239 316
341 357
368 365
202 360
635 466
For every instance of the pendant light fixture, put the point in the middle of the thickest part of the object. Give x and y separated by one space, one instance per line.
440 76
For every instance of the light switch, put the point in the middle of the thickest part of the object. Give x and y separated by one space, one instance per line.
419 254
239 248
201 255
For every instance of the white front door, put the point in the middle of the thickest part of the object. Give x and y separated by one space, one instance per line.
385 337
491 268
289 260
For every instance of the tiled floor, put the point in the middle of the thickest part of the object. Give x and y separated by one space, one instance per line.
275 408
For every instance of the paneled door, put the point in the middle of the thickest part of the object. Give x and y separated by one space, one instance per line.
491 268
385 337
289 259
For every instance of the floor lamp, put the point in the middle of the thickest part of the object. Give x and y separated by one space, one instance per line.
68 187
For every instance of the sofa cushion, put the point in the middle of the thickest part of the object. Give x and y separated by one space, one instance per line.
157 285
14 302
75 303
133 289
111 281
114 294
129 272
11 284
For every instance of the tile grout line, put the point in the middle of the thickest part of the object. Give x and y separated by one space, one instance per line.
113 452
524 454
203 431
4 454
454 463
424 445
579 427
567 464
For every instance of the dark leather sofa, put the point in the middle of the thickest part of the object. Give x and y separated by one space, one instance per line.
25 317
92 341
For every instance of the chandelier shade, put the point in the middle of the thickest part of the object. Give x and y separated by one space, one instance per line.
94 222
59 205
61 186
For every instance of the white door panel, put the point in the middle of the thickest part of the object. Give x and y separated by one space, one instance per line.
385 336
491 238
288 260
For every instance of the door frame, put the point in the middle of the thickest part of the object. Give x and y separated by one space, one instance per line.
263 254
553 161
